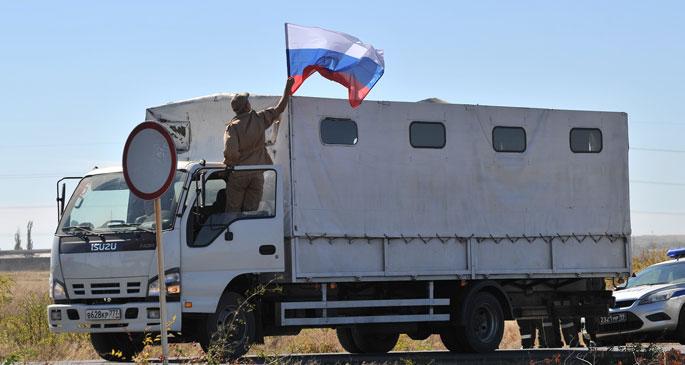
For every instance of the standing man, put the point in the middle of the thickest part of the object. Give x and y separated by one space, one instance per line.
245 144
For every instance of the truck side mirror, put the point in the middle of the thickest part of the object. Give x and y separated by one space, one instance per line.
62 195
228 236
200 190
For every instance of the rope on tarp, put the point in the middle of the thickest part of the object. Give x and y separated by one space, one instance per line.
444 239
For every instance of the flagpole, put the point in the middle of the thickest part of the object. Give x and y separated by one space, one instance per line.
287 57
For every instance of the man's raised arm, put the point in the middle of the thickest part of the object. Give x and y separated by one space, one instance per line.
286 96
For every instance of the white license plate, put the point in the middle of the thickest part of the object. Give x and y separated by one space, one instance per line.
103 314
613 318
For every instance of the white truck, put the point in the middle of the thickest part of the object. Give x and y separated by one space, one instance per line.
396 217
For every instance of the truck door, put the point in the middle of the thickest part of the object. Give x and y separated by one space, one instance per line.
234 226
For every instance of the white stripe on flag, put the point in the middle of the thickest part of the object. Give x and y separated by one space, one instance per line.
300 37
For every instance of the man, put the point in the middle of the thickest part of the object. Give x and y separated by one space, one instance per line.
244 144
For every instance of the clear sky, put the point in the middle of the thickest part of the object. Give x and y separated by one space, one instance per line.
75 77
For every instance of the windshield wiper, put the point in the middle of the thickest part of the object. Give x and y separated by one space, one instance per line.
137 227
83 232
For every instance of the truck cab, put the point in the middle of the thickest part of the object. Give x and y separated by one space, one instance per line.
103 265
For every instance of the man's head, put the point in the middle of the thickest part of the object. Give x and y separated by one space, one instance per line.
240 103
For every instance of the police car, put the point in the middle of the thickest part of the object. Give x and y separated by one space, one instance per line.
648 307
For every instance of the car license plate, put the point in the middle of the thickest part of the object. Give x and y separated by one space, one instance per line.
103 314
613 318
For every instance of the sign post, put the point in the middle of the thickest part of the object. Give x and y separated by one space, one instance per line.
149 163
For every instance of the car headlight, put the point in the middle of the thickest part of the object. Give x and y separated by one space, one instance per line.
662 295
172 281
58 291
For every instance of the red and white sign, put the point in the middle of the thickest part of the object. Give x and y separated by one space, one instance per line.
149 160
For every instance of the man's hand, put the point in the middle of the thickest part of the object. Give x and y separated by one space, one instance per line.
289 86
286 94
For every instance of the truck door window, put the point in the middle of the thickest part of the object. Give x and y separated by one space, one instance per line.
231 196
338 131
509 139
586 140
427 135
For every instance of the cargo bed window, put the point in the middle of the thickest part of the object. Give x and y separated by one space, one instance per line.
509 139
586 140
427 135
338 131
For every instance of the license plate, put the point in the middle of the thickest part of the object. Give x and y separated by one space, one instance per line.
613 318
103 314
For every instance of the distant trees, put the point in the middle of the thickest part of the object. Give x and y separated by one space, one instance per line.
17 240
29 241
29 238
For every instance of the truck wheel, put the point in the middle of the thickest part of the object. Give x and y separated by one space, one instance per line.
346 341
121 347
484 325
372 342
452 338
231 330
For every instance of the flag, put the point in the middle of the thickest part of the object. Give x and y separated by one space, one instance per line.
336 56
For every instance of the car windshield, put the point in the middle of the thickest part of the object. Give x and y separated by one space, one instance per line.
103 203
659 274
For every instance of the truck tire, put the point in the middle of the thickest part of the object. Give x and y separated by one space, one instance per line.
373 342
120 346
231 330
484 325
346 341
452 338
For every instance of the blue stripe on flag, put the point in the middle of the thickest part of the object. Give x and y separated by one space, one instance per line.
365 71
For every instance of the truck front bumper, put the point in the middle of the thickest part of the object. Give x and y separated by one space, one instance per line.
135 317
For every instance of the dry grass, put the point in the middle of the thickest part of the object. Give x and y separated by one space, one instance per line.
24 334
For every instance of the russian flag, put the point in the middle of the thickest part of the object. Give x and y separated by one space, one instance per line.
336 56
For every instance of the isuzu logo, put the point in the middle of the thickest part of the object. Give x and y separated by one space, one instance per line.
108 246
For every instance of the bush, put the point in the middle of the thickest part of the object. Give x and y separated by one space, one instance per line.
24 332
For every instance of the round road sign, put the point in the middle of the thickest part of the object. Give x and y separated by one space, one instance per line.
149 160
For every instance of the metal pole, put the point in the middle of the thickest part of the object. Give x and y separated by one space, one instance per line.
161 279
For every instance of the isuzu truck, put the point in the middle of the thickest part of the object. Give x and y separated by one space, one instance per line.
414 218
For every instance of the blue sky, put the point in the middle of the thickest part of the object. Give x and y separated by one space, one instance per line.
75 77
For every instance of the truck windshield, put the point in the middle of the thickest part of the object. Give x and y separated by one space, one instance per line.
103 203
659 274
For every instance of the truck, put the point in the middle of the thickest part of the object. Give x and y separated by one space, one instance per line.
414 218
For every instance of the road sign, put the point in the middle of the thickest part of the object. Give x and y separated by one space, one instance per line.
149 160
149 167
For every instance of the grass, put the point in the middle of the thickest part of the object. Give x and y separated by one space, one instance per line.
24 334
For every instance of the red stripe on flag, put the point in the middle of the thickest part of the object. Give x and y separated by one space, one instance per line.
356 91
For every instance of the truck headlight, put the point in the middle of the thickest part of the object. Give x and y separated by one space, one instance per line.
172 281
662 295
58 291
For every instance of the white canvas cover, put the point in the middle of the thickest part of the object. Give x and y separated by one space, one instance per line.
384 186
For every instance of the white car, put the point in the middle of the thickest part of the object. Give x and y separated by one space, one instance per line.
649 307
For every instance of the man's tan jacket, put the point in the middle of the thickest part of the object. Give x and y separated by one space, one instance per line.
244 142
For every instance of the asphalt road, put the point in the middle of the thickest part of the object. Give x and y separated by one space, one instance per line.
502 357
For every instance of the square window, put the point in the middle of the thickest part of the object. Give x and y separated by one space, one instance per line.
586 140
338 131
509 139
427 135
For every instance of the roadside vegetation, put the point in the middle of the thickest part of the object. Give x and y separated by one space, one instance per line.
24 334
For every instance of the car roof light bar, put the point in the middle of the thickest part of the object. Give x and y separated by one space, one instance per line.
676 253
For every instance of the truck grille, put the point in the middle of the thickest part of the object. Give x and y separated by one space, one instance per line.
130 287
